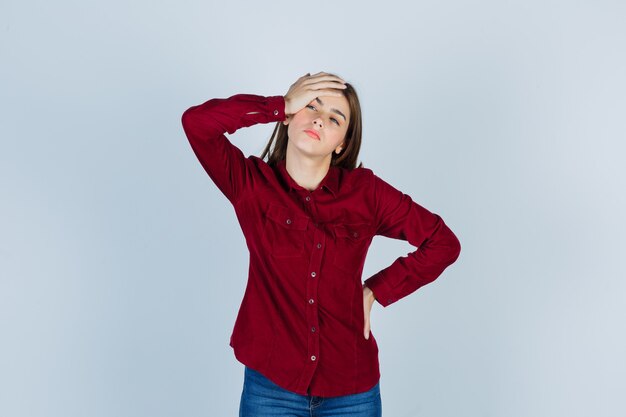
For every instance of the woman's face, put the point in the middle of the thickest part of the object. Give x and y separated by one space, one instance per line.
326 116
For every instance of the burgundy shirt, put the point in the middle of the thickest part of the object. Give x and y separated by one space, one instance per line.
301 318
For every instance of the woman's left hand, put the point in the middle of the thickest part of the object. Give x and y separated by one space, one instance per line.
368 301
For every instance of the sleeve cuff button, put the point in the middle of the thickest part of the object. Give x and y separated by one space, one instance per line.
275 112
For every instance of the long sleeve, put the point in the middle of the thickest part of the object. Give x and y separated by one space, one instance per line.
205 125
399 217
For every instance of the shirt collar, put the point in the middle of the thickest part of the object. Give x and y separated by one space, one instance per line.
329 182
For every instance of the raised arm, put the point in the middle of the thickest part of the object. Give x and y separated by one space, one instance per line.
399 217
205 125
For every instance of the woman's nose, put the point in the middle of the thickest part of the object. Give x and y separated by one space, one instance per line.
318 122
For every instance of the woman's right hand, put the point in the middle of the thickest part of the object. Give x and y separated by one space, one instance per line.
308 87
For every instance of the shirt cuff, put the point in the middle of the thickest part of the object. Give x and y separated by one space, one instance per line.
276 106
382 292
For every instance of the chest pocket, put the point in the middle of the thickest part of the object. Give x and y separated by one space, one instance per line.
351 243
285 229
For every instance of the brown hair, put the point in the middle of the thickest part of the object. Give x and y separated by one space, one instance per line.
347 158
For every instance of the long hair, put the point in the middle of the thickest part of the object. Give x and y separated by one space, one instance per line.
347 158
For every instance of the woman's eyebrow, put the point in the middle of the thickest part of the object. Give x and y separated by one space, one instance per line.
333 110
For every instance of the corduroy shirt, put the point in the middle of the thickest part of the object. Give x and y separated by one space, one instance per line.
301 319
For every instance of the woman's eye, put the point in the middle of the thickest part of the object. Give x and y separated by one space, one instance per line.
332 118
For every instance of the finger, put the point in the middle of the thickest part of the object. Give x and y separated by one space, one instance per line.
325 74
320 78
326 84
330 92
302 79
325 79
333 89
366 315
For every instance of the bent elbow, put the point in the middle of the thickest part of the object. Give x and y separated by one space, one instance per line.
455 248
192 125
186 118
451 245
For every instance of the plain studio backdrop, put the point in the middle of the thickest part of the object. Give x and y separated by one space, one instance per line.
122 266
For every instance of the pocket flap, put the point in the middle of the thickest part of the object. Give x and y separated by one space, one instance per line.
355 231
286 217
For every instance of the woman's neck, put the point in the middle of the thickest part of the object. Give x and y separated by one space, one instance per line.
306 172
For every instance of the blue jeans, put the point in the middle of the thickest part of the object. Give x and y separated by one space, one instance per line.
263 398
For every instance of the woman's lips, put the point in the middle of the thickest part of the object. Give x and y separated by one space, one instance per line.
312 134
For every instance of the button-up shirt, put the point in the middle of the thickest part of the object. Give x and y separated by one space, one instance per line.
301 319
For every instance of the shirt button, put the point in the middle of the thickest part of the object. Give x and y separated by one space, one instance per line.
313 274
313 329
313 358
311 301
307 198
355 234
288 221
319 245
275 112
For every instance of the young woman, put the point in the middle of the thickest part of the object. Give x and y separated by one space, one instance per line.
309 214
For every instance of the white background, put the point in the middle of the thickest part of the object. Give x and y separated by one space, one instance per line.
122 266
